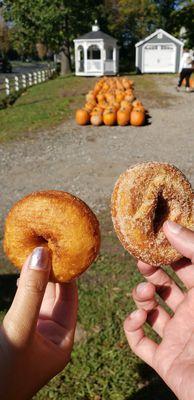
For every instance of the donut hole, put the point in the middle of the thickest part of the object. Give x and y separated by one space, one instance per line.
40 241
161 214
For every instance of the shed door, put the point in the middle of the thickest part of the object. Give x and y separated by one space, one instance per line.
159 57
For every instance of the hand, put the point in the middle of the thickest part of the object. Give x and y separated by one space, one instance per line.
173 358
36 337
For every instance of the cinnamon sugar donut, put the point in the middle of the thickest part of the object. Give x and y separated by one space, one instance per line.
143 198
58 220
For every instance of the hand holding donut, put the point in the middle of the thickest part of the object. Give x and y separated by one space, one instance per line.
37 333
173 358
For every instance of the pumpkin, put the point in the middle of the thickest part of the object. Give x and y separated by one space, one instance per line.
137 118
126 104
140 108
97 110
82 117
137 103
103 104
130 98
120 94
96 119
90 96
123 117
89 107
109 117
100 97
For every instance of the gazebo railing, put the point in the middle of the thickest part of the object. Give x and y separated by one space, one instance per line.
94 65
109 65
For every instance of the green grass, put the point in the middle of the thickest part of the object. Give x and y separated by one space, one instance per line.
42 107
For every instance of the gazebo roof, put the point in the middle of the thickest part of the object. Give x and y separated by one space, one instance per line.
96 35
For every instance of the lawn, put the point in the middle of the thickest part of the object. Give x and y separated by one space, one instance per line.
49 104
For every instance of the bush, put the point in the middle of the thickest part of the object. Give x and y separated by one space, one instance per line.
10 100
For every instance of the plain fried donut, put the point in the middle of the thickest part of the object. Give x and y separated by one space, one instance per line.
58 220
143 198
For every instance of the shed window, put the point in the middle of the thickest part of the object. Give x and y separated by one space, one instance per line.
166 46
160 35
151 47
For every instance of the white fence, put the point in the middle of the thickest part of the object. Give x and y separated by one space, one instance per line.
17 82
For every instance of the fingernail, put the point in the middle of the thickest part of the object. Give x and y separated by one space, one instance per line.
141 288
135 314
39 259
173 227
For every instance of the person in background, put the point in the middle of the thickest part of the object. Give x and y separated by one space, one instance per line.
185 69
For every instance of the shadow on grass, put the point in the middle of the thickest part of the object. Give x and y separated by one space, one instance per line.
7 290
155 389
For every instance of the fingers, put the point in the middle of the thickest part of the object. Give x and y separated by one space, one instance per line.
165 286
144 297
185 271
142 346
20 321
182 239
58 315
65 309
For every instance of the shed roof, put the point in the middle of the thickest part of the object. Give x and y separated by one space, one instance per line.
96 35
156 33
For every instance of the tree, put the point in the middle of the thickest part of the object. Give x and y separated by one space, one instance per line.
130 21
4 36
53 23
184 17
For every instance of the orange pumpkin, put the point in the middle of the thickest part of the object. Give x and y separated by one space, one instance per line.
130 98
100 97
137 118
96 119
89 107
82 117
109 117
123 117
90 96
137 103
120 94
140 108
126 104
97 110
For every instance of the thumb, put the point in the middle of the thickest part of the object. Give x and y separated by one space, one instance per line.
21 319
182 239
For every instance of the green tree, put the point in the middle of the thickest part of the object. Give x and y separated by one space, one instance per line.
52 23
184 17
4 35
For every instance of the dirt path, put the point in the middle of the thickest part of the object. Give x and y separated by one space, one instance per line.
87 160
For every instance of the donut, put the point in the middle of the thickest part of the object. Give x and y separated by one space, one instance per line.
58 220
144 197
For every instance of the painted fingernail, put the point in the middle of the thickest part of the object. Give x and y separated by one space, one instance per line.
173 227
140 289
39 259
135 314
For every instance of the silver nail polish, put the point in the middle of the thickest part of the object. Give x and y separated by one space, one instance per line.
39 258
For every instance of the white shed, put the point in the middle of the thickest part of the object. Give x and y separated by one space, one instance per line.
96 53
159 52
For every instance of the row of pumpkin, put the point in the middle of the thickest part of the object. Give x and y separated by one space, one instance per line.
112 101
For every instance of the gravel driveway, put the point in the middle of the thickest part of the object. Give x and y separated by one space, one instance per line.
87 160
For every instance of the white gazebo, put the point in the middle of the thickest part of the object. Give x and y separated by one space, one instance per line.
96 53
